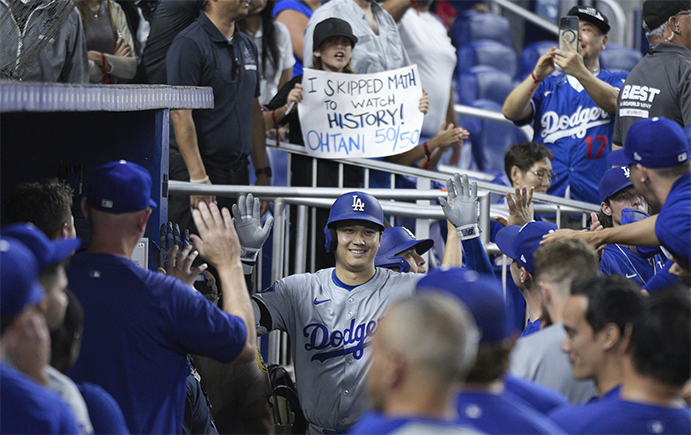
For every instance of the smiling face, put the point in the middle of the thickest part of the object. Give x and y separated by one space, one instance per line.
358 243
335 53
591 42
417 263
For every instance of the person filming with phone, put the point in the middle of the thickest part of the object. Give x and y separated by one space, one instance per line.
573 112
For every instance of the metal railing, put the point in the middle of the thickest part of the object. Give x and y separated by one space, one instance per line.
395 202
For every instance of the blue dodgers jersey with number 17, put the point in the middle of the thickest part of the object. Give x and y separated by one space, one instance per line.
578 132
330 331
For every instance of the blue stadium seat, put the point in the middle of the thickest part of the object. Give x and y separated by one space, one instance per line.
489 139
490 53
278 160
473 26
483 83
619 58
531 53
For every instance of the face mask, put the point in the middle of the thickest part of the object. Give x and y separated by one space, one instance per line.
629 215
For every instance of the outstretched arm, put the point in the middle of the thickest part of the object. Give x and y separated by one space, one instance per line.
641 233
218 244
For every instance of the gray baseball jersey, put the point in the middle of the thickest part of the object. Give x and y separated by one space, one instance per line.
330 329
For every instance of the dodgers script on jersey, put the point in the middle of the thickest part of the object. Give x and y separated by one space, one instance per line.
578 132
330 331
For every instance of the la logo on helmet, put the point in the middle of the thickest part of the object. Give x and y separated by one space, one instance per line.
358 205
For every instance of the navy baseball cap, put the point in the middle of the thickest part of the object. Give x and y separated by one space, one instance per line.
613 181
657 12
329 28
19 271
120 187
482 295
654 143
46 251
591 15
520 243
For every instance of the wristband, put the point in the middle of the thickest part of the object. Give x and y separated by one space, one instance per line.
535 82
468 232
248 257
428 154
201 180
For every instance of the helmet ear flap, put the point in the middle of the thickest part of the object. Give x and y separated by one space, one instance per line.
331 239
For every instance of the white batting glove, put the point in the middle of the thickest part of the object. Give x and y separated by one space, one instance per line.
251 233
463 206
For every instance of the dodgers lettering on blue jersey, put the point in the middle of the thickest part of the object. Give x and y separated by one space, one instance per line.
555 126
321 338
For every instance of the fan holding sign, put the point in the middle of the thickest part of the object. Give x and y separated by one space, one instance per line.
335 40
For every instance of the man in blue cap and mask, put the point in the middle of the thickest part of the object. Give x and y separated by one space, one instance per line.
657 153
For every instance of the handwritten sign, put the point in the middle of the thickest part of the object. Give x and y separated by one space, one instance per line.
360 115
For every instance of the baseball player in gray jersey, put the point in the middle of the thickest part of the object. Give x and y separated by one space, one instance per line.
331 315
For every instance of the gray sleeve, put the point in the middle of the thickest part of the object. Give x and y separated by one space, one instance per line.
76 68
274 306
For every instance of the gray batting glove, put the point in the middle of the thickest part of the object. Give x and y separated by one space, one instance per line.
463 206
251 233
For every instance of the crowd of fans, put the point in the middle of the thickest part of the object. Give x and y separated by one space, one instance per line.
591 333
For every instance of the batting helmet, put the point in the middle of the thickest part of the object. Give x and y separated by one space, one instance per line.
352 206
395 240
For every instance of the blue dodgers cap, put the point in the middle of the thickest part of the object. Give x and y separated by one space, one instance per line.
613 181
46 251
654 143
120 187
482 295
520 243
19 271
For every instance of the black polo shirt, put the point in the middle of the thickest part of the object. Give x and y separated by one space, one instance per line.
201 56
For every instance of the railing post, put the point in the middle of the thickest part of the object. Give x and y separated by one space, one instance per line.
277 347
301 239
485 218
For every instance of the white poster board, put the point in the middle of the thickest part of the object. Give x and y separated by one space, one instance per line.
360 115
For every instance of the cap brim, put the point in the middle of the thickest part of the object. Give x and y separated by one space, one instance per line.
505 240
65 248
423 246
618 158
